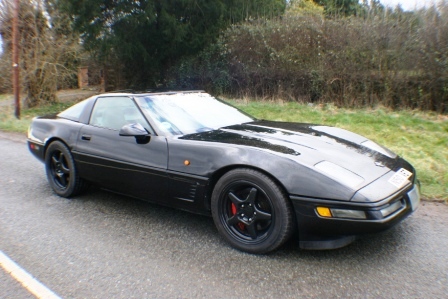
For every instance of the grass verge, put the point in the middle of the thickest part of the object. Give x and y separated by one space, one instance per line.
419 137
8 122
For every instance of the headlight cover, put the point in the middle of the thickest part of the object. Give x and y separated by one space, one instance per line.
340 174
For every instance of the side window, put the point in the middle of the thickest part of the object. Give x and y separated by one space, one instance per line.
114 112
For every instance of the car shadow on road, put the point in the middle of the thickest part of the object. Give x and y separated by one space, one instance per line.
183 229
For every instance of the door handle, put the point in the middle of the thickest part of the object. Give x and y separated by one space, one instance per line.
86 137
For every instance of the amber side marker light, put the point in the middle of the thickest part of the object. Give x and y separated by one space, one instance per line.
340 213
186 162
323 212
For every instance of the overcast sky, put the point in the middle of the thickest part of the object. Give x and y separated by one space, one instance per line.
407 4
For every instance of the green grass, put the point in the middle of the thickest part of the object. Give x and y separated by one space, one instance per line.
4 97
8 122
419 137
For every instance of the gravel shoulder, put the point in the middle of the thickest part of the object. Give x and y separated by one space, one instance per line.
16 137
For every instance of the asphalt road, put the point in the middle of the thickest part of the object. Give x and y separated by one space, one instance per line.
102 245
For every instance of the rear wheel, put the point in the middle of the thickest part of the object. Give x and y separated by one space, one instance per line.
61 171
251 211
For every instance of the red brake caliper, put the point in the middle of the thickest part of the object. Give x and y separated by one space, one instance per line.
241 225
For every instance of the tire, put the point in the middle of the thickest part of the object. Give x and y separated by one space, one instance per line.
251 211
61 171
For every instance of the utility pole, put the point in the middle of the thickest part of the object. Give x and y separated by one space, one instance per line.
15 58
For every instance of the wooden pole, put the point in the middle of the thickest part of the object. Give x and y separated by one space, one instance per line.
15 59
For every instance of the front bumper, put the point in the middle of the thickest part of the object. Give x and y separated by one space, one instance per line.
318 232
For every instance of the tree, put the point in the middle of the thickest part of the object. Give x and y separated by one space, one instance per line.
304 7
48 52
340 7
149 36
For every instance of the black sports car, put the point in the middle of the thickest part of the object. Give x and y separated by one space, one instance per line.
262 181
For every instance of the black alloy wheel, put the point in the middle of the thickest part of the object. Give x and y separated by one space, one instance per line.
61 171
251 211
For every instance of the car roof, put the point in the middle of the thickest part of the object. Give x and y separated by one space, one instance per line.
147 92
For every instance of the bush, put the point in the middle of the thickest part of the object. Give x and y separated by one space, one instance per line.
392 58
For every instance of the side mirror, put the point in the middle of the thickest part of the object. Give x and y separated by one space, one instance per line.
137 130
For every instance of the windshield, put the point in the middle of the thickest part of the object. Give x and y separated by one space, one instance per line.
186 113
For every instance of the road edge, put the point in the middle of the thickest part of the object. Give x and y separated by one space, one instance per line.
16 137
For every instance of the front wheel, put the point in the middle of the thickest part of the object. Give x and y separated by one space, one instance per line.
251 211
61 171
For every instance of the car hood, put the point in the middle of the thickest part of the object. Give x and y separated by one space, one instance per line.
344 156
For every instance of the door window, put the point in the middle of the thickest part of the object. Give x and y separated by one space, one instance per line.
115 112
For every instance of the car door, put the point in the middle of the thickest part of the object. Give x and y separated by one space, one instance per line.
119 163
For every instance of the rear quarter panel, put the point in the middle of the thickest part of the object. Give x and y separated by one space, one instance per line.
43 130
